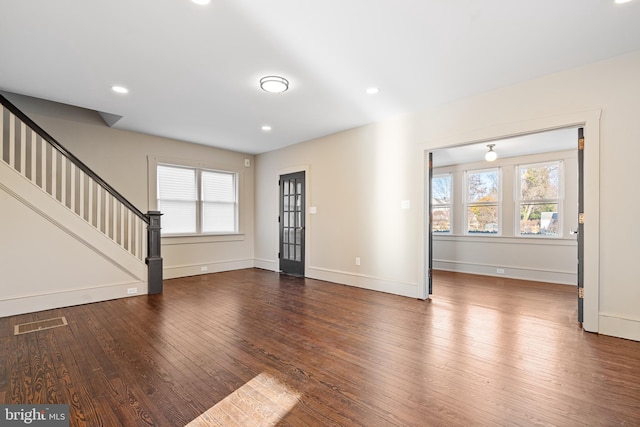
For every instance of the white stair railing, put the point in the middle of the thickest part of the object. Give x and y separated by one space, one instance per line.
72 184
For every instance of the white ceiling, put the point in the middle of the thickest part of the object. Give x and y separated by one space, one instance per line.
193 71
523 145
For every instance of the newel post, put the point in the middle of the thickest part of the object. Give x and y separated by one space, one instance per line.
154 260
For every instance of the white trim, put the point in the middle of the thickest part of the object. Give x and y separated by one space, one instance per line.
506 240
363 281
558 201
592 225
200 238
68 298
590 120
196 179
266 264
510 272
618 326
466 204
347 278
175 271
152 186
422 290
446 205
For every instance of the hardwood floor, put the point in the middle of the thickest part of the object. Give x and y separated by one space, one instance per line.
252 348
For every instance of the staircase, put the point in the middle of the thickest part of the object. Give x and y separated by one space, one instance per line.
66 236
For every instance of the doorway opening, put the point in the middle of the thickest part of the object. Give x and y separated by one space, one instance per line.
515 217
291 251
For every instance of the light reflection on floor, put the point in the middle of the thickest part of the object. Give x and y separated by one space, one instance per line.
261 402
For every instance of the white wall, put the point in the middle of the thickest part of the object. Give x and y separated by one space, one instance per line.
528 258
357 181
358 178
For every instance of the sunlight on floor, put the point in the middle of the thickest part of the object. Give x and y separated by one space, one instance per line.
262 402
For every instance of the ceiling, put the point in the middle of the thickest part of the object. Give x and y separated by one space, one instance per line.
523 145
192 71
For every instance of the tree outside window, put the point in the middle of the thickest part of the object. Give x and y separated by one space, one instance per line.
483 201
441 203
540 191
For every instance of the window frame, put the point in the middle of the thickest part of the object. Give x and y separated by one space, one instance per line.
448 206
518 200
200 203
467 204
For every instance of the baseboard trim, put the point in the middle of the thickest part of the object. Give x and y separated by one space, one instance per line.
510 272
363 281
68 297
349 279
175 271
266 264
618 326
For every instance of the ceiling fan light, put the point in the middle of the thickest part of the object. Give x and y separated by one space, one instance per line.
274 84
490 155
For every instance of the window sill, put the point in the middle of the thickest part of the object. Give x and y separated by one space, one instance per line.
186 239
568 241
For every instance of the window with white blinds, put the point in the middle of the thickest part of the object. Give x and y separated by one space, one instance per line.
197 201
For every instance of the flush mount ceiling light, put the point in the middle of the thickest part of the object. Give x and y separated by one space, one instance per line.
274 84
372 90
119 89
490 155
266 128
201 2
621 1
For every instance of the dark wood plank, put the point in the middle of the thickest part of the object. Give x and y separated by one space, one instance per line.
253 348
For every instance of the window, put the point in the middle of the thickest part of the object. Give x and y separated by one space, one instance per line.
482 201
197 201
441 203
539 199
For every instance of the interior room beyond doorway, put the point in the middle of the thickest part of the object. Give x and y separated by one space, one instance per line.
487 221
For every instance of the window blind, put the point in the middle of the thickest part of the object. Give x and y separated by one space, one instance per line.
196 200
177 199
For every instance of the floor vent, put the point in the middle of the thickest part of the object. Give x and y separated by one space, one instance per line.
39 325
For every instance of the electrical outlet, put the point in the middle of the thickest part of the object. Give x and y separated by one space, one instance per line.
205 268
500 271
357 260
132 291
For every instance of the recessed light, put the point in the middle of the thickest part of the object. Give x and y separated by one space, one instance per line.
201 2
274 84
119 89
622 1
266 128
372 90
